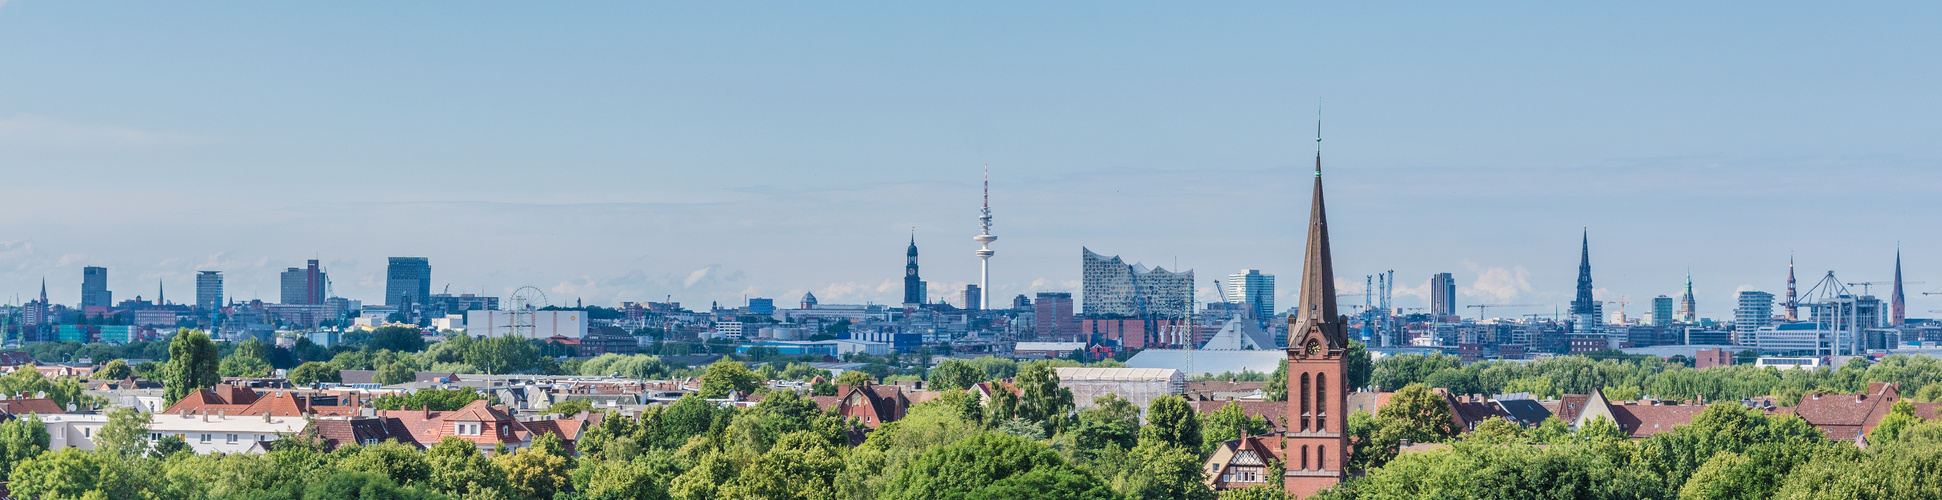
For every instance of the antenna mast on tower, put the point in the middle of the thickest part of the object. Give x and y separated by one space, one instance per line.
984 239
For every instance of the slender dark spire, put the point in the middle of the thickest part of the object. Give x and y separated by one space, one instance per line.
1897 309
1583 304
1318 310
1793 303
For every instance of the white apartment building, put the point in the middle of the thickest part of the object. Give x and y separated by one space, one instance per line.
69 430
220 433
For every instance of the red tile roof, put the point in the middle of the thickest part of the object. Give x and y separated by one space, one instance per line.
40 406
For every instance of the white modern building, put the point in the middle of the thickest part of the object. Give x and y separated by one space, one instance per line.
1755 311
531 324
1796 337
69 430
219 433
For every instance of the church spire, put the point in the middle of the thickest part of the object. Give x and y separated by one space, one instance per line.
1897 309
1318 310
1583 304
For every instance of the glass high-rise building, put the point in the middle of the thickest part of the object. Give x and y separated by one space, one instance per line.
94 287
1255 289
1114 288
209 290
1755 311
407 280
1662 311
1443 295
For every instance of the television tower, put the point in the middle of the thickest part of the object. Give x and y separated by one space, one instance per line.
984 239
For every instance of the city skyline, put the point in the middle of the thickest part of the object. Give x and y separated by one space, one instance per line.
525 157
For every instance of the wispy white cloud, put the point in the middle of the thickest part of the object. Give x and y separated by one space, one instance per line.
1498 284
41 131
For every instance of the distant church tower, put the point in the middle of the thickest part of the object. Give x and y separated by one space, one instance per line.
1584 309
1316 446
913 285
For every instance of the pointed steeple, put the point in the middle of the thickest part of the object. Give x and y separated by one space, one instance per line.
1318 311
1583 304
1897 309
1793 304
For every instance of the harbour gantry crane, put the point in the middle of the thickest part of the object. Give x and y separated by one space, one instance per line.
1482 309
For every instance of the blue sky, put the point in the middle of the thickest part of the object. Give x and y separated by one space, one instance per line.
637 151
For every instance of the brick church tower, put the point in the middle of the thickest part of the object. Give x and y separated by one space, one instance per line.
1316 450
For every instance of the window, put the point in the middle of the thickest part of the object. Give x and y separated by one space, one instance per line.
205 438
232 439
370 441
468 428
155 436
87 432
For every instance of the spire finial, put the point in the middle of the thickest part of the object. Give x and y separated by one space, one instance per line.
1318 137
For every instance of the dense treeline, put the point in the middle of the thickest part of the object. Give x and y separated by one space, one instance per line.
1627 378
1026 445
1728 451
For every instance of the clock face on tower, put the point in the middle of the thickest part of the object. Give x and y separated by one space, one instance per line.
912 272
1314 347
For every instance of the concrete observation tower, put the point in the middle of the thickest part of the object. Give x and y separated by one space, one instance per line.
984 240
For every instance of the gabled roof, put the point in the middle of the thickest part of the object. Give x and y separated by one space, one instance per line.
359 430
24 406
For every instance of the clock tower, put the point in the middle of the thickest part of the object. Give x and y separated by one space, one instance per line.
913 285
1316 444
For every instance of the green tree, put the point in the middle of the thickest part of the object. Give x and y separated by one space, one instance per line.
69 473
431 399
21 438
1172 421
1040 400
1257 492
456 467
313 372
993 466
1277 388
1900 417
168 446
1110 426
1164 471
397 338
238 365
1227 423
533 472
1360 367
724 377
115 370
855 378
1419 407
192 365
125 434
954 374
394 373
400 462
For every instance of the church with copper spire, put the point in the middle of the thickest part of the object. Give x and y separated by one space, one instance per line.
1315 445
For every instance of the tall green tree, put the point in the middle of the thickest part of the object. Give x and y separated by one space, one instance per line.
192 365
126 433
1229 422
21 438
1040 400
1172 421
725 376
115 370
954 374
994 466
313 372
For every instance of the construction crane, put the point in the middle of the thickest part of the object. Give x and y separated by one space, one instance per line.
1865 284
1621 308
1482 309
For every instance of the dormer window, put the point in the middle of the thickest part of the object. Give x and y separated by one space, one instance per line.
469 428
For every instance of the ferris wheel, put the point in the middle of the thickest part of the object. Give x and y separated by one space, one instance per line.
528 298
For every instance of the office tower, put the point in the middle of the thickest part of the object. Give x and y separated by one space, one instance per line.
295 285
407 280
1661 311
1053 312
314 277
973 297
1897 309
1113 288
1755 311
1585 310
913 285
1255 289
984 239
1021 302
1688 309
761 306
209 290
1442 295
1317 387
94 287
